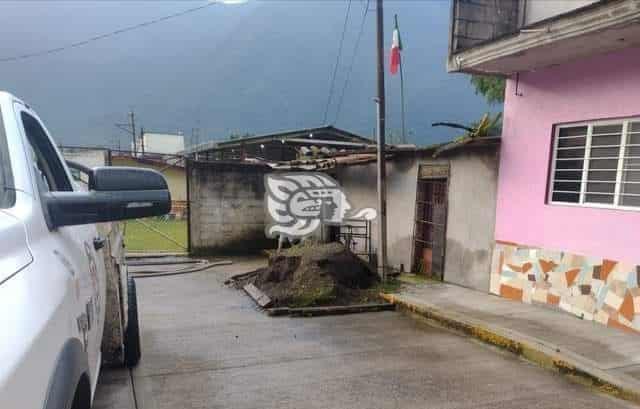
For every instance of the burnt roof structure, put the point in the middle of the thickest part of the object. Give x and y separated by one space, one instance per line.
281 146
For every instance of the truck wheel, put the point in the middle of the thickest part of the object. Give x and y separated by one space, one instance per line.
132 334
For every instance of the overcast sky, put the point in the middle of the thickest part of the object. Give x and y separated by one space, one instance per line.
256 67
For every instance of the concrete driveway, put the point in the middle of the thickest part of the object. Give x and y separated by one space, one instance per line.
206 346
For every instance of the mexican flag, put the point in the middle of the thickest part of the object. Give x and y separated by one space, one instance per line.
396 47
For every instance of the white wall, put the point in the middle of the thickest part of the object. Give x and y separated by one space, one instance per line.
87 157
537 10
168 144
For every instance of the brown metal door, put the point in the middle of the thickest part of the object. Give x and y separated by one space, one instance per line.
430 227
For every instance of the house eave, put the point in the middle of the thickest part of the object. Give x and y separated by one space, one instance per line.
595 30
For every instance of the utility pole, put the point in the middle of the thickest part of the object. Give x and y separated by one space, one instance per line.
141 140
132 124
382 184
404 134
130 128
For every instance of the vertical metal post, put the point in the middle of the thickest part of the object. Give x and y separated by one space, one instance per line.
404 133
187 173
132 123
142 140
382 194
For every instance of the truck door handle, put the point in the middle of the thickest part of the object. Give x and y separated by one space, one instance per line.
98 243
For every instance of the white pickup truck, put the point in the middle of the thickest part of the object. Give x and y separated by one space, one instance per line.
54 266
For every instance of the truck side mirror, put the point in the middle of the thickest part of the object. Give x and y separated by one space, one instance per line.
115 193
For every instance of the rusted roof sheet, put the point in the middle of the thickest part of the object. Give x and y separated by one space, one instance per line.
364 156
466 142
325 163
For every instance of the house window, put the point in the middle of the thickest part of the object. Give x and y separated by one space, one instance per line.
597 164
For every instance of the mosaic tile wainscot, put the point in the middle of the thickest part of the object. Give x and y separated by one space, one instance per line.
598 289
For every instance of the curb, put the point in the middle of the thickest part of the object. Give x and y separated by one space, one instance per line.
155 254
332 310
534 350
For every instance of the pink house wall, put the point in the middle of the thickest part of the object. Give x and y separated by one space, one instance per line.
601 87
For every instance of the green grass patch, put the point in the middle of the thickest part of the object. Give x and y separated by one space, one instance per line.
409 278
392 285
140 235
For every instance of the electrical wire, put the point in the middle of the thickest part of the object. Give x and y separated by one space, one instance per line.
353 58
105 35
335 68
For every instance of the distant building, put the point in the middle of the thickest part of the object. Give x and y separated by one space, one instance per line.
172 168
89 157
160 143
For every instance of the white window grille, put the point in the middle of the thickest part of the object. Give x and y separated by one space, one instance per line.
597 164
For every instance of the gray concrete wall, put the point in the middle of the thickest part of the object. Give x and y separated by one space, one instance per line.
470 218
226 208
359 184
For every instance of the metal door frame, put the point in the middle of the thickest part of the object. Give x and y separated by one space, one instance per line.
431 172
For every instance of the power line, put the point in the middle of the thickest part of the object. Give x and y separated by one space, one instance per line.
353 58
335 68
105 35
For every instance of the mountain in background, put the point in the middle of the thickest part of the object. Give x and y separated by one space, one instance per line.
255 67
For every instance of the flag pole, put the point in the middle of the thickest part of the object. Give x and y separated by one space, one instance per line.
404 134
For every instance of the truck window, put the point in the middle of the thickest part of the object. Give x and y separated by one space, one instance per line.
7 192
48 166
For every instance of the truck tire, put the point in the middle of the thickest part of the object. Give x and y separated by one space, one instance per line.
132 334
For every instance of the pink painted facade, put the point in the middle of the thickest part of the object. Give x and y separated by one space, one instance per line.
601 87
582 260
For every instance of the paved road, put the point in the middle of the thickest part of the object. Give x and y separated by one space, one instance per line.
206 346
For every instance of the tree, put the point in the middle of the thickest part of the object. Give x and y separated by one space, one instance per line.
486 126
492 88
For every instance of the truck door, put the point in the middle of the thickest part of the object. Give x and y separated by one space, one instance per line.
76 246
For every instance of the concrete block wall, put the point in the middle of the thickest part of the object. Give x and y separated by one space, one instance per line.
227 213
482 20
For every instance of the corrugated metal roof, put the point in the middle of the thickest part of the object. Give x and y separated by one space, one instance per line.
286 135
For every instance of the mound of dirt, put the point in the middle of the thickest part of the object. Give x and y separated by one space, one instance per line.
315 275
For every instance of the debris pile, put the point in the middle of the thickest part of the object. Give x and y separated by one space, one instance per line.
314 274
